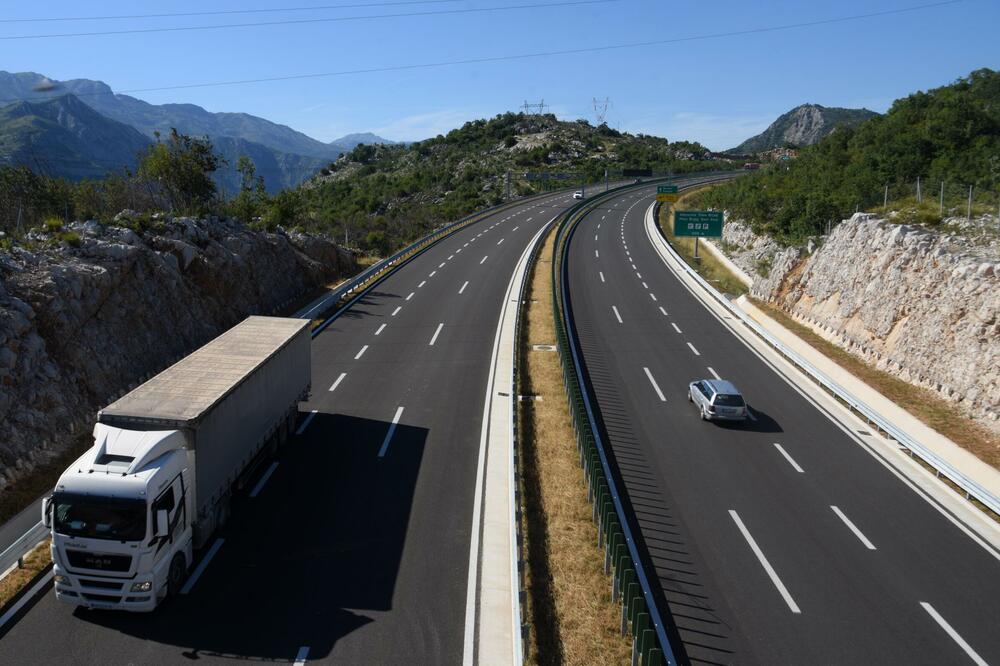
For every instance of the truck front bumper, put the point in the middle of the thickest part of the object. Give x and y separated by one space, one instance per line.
103 592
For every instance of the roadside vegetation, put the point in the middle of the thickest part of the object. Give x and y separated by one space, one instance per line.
19 577
569 609
947 135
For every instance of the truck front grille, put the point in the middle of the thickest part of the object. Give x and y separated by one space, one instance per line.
106 598
81 559
107 585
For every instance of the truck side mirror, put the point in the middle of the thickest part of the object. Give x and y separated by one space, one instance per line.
162 523
46 511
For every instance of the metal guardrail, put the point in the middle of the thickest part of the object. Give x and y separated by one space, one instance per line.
25 544
940 466
630 583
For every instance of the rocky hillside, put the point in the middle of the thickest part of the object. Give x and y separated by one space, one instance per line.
87 314
802 126
65 137
915 302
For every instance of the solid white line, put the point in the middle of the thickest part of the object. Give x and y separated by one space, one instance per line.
783 452
300 658
954 634
763 561
854 528
25 598
617 316
500 241
675 327
334 386
411 295
483 260
305 424
665 314
696 353
716 375
260 484
421 284
389 433
360 353
656 387
202 565
396 311
463 287
652 295
436 333
601 273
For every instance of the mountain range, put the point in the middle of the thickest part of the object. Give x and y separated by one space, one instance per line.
802 126
283 156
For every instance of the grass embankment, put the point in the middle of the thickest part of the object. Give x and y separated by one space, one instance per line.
708 266
929 407
15 581
573 620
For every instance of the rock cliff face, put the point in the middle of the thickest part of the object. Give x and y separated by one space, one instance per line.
802 126
921 305
80 325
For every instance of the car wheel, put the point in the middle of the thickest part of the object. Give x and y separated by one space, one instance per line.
175 577
704 417
690 399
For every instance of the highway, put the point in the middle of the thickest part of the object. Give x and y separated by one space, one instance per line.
781 541
353 546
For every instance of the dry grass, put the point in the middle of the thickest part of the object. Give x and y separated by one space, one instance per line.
922 403
708 266
15 581
573 620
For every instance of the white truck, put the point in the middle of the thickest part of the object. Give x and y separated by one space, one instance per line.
127 516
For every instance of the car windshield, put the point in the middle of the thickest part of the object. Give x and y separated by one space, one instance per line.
725 400
100 517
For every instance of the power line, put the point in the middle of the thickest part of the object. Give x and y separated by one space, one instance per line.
225 12
523 56
335 19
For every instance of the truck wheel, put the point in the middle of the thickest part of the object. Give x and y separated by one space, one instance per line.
175 577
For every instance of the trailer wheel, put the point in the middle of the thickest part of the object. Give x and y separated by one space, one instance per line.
175 577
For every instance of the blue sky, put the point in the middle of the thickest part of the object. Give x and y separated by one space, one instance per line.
718 91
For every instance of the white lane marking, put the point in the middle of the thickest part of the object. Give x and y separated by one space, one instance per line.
361 353
25 598
483 260
783 452
305 424
763 561
645 286
954 634
652 295
260 484
335 384
603 216
458 250
553 218
597 254
436 333
500 241
656 386
389 433
854 528
381 328
463 287
396 311
665 314
441 265
421 284
601 273
696 352
595 238
302 656
202 565
675 327
634 268
432 274
599 224
466 245
516 228
638 275
617 316
410 296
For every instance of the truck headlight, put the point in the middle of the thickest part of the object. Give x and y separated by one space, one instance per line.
61 580
144 586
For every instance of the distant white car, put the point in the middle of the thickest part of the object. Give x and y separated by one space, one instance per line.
717 399
578 194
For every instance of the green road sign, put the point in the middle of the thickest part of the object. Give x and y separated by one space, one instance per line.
666 189
699 223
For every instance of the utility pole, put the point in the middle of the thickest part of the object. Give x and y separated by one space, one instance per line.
919 198
969 214
508 185
885 199
605 180
941 204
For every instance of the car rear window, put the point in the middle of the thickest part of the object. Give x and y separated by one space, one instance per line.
725 400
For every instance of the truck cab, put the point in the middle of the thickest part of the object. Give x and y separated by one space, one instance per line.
121 523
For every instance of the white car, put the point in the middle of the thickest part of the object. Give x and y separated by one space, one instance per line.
717 399
578 194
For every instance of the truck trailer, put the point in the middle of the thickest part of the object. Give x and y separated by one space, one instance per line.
127 516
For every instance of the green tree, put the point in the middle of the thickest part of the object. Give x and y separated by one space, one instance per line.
180 170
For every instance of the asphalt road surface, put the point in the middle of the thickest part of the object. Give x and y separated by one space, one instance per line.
781 541
354 548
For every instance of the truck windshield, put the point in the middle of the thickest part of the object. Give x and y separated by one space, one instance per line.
99 517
